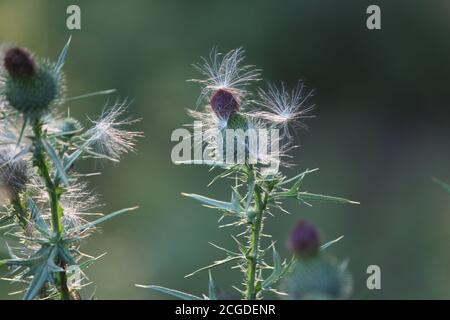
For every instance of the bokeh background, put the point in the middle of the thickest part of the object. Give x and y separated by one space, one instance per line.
381 132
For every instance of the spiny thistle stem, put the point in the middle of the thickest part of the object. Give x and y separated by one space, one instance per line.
256 227
54 193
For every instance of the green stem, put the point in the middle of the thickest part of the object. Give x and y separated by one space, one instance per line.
256 227
40 161
20 212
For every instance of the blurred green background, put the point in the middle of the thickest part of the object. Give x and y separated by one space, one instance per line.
381 130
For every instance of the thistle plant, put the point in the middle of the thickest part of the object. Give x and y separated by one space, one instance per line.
259 188
313 274
47 208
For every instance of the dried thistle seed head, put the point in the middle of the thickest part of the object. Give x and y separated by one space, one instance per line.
226 72
318 278
19 63
223 103
304 239
287 108
14 172
109 135
30 86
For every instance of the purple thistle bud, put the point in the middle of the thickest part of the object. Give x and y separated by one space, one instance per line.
224 104
304 239
19 63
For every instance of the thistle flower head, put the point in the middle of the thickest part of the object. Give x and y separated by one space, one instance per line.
14 171
109 135
286 108
229 107
304 239
223 103
19 63
319 278
68 127
225 72
30 86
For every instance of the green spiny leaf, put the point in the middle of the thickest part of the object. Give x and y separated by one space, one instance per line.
37 217
62 56
42 273
39 279
221 205
171 292
53 155
69 160
65 254
306 196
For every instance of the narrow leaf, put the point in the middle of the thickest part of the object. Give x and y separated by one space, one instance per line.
68 161
22 131
171 292
306 196
56 161
37 217
213 265
62 55
103 219
39 279
330 243
221 205
299 176
92 94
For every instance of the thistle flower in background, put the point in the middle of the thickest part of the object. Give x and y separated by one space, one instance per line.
51 210
257 194
313 275
318 278
304 239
